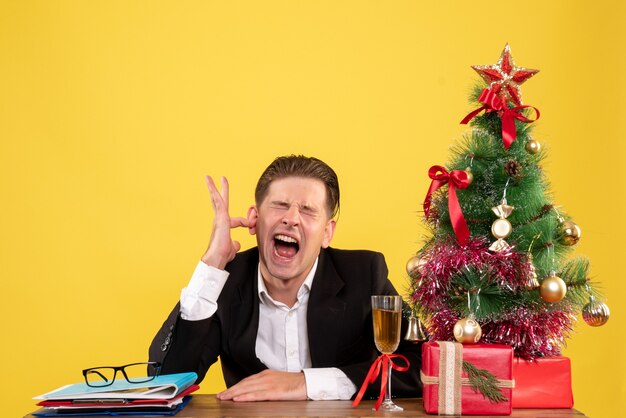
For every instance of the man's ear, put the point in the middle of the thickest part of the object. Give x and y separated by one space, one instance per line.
329 231
253 215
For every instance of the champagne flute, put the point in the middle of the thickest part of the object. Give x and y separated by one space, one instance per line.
386 316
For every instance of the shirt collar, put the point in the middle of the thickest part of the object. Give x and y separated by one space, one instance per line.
305 287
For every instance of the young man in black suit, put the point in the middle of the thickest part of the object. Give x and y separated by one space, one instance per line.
291 318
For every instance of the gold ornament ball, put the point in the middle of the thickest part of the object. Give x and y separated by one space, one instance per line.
470 175
501 228
532 146
552 289
569 233
596 314
415 265
467 331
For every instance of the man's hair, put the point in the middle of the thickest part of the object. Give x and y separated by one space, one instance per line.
301 166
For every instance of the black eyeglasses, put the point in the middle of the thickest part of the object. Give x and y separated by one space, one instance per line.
98 377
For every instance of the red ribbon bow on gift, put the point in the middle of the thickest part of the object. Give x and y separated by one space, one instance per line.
492 103
457 179
381 363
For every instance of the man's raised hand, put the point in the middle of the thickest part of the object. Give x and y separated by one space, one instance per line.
222 248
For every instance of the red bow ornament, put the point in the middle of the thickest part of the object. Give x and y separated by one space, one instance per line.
380 364
492 103
457 179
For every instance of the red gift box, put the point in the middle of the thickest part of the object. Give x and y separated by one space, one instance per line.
543 383
446 389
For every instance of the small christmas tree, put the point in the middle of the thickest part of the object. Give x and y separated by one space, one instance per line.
496 264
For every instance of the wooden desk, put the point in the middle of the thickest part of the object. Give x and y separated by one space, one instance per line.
209 406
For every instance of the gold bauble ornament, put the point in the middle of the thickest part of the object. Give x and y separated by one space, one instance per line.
596 313
552 288
470 175
415 266
467 330
569 233
532 146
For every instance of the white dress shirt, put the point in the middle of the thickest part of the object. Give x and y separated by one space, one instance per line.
282 338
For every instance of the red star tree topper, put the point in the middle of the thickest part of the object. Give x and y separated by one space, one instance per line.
504 78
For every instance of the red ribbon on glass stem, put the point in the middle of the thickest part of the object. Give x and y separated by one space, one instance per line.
457 179
381 363
492 103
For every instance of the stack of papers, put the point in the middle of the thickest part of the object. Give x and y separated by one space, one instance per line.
162 396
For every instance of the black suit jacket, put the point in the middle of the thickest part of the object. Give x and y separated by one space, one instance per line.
339 323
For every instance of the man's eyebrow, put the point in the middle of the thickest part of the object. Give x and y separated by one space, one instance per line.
279 203
309 208
305 206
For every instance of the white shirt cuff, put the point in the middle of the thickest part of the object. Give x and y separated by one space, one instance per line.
328 383
199 299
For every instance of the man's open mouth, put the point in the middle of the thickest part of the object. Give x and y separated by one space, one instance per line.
285 246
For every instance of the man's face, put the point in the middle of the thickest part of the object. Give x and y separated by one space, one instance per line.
292 225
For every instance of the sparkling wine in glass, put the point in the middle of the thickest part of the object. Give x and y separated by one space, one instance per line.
387 316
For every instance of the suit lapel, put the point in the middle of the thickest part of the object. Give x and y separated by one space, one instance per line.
325 313
244 314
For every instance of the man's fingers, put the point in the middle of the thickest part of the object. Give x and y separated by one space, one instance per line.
254 396
219 199
237 222
266 386
248 394
232 393
244 387
210 183
225 191
215 194
222 248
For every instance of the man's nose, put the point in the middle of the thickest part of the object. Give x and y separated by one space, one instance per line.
292 216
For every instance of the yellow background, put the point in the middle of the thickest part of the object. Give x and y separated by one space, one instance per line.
111 112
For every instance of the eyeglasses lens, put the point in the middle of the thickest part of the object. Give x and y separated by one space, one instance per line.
102 376
140 372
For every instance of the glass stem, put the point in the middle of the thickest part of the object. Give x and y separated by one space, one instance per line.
388 394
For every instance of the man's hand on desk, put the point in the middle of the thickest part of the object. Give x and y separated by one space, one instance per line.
269 385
